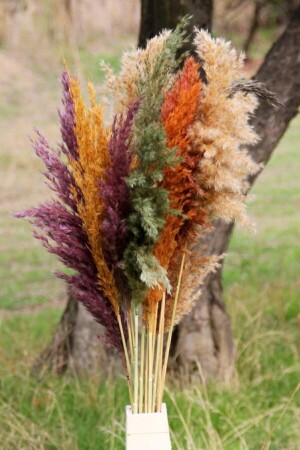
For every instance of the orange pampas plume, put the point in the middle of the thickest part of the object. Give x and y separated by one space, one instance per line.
179 112
88 169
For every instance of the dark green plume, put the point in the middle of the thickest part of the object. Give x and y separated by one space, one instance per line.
150 202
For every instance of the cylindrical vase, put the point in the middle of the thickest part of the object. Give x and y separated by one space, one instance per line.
147 431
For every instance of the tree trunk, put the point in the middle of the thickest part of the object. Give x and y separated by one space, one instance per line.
204 338
159 14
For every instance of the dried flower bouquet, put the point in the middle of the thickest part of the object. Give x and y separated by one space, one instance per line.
133 198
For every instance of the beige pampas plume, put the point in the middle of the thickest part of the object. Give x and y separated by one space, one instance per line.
223 131
123 86
196 269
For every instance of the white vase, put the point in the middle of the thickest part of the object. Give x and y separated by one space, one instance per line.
147 431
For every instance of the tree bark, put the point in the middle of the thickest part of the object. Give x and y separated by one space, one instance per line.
159 14
204 339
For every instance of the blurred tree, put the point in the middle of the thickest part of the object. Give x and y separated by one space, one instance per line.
9 12
204 338
62 22
254 25
265 14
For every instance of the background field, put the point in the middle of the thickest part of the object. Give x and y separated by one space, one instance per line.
262 289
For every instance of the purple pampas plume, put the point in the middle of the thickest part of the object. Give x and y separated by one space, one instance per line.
67 119
115 193
86 290
60 179
62 234
114 190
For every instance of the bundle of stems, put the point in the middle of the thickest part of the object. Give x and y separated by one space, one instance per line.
147 353
132 199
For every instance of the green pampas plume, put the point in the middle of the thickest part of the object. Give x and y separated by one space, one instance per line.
150 202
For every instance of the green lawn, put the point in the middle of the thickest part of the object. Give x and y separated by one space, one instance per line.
261 410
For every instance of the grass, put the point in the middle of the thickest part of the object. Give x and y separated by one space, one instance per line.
83 414
262 289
